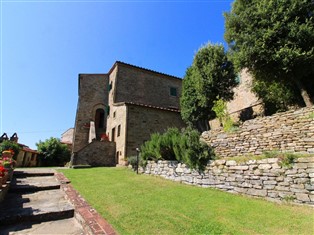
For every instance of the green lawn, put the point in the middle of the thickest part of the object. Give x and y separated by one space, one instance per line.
141 204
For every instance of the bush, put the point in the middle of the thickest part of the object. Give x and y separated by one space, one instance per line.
151 149
220 109
53 153
195 153
132 161
7 145
184 146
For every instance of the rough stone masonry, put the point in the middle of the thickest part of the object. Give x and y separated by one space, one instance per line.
264 178
291 131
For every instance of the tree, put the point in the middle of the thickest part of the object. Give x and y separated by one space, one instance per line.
277 96
274 40
53 153
210 77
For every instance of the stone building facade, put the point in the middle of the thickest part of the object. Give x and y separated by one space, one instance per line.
124 107
67 138
245 105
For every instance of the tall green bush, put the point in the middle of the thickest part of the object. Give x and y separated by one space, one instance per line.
195 153
151 149
183 146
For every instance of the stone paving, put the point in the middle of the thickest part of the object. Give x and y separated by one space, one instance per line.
61 227
41 201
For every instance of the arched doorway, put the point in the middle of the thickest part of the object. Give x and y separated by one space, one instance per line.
100 124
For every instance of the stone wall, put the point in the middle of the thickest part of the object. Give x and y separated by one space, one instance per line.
97 153
245 105
143 121
117 122
292 131
143 86
243 96
259 178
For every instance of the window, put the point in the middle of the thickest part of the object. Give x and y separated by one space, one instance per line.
110 86
173 91
113 133
108 110
119 131
117 157
114 114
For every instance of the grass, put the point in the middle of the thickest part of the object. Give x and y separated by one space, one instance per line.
283 156
141 204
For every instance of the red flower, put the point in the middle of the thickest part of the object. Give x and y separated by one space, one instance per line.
2 171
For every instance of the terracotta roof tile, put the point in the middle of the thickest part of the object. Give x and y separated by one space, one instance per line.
138 67
149 106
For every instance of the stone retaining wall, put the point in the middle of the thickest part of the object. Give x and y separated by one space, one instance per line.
260 178
291 131
96 153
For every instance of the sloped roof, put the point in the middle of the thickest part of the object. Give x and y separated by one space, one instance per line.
141 68
148 106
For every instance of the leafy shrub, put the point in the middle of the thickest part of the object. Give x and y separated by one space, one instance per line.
132 161
184 146
194 153
7 145
151 149
53 153
220 109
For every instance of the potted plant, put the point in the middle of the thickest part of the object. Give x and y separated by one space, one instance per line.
8 162
3 175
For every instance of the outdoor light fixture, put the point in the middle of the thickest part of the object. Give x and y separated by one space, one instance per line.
137 155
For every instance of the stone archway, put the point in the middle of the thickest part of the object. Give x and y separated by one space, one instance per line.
100 120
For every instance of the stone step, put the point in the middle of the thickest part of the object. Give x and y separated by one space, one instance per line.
65 226
40 206
32 173
33 184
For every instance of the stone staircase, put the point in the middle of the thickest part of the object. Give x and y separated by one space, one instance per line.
35 204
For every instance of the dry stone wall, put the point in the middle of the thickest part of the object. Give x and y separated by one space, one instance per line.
292 131
264 178
96 153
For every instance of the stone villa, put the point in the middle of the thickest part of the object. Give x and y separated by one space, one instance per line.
118 111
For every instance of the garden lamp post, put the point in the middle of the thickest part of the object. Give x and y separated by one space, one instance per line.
137 155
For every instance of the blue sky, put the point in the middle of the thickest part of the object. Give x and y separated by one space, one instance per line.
46 44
